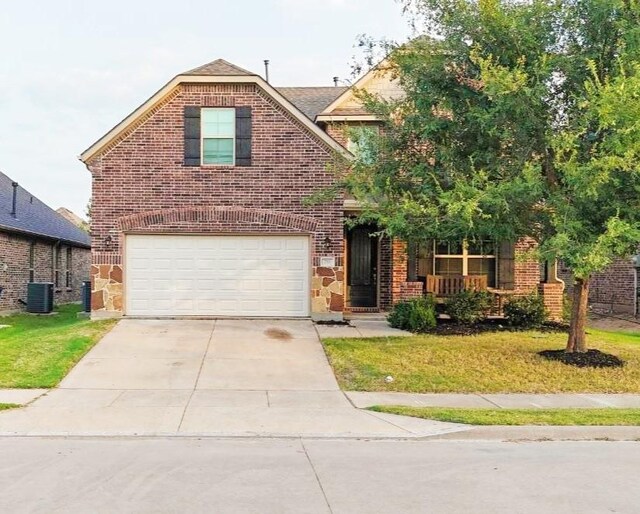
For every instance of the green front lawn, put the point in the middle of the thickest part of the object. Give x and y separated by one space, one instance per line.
592 417
38 351
495 362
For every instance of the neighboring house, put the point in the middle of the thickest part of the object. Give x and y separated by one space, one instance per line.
38 245
614 290
198 210
73 218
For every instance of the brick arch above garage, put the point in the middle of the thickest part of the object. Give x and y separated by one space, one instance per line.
207 219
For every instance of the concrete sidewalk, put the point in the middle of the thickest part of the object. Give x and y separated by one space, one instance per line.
20 396
496 401
373 326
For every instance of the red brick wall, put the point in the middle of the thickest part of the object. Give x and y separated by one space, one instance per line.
144 172
339 132
409 290
399 269
552 296
385 273
611 290
526 268
14 256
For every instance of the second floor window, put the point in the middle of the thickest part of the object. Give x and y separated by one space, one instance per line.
361 142
218 136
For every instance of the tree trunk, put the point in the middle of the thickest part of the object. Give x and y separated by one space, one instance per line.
577 335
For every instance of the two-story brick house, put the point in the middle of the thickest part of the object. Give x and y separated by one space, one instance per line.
199 210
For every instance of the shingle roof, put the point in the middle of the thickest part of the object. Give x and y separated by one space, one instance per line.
311 100
35 217
219 67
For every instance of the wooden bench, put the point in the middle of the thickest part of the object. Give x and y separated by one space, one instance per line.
445 286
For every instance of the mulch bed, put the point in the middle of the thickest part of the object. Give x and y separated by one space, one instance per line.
451 328
590 359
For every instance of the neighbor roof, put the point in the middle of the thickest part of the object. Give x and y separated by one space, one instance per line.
312 100
34 217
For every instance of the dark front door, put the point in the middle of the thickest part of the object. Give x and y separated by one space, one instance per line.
362 258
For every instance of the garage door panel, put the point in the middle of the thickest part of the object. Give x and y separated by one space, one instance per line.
217 275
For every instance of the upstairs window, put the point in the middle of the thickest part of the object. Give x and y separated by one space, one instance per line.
361 143
218 129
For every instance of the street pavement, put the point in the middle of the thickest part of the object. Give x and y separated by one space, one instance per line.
302 476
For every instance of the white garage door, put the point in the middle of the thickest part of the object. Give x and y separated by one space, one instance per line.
266 276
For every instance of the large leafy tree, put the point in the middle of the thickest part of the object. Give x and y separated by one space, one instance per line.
519 118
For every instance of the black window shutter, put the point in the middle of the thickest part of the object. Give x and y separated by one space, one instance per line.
192 136
506 265
243 136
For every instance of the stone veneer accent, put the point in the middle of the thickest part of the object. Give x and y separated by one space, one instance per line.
327 290
106 287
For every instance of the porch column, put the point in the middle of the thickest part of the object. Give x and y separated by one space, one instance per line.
404 284
398 269
552 292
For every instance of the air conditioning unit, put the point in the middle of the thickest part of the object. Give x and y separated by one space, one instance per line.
40 297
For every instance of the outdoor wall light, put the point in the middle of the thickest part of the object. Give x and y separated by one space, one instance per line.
108 241
327 243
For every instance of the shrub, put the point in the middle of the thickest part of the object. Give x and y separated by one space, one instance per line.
415 315
525 311
469 306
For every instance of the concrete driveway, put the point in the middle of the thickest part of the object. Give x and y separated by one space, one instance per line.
207 377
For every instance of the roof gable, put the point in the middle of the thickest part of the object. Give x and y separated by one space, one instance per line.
35 217
205 76
377 81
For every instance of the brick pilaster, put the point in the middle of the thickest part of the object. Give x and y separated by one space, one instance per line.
552 295
399 269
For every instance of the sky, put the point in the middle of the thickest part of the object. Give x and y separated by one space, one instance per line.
72 69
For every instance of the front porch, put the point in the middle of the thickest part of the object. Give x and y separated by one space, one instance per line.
381 272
